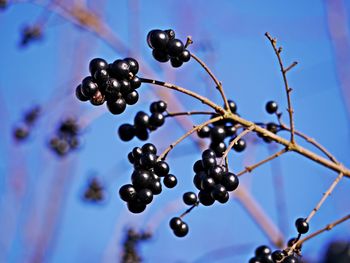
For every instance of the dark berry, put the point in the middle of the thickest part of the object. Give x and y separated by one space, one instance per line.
185 56
291 259
148 160
207 183
157 39
230 130
198 166
140 179
209 162
116 107
255 260
170 181
125 86
208 153
272 127
126 132
149 148
175 47
145 195
156 119
136 207
204 132
217 134
97 99
80 96
161 168
133 65
88 87
127 193
158 106
182 230
97 64
218 192
120 69
271 107
219 148
302 226
141 133
176 62
131 157
240 145
189 198
160 55
111 89
170 33
135 82
101 75
292 241
205 198
137 152
156 187
141 119
277 255
230 181
262 251
232 105
175 222
198 178
216 173
132 97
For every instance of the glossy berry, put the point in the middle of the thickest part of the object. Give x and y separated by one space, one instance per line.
125 87
204 132
149 148
219 148
170 181
161 168
141 133
156 187
271 107
216 173
185 56
126 132
217 134
170 33
148 160
182 230
175 222
302 226
141 119
120 69
277 255
198 166
116 107
207 183
137 152
156 119
97 64
111 88
291 259
218 192
157 39
230 130
230 181
205 198
140 179
97 99
160 55
272 127
135 82
209 162
240 145
262 251
176 62
133 65
158 106
189 198
127 193
80 96
208 154
88 87
145 196
131 158
132 97
101 75
136 207
175 47
232 105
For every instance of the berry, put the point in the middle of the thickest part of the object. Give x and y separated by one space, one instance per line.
120 69
137 152
149 148
141 133
277 255
133 65
156 187
101 75
204 132
88 87
230 130
156 119
79 94
116 107
232 105
160 55
148 160
131 158
182 230
97 64
272 127
230 181
136 207
271 107
111 89
207 183
197 180
127 193
140 179
97 99
175 222
302 226
198 166
216 173
208 154
262 251
157 39
176 62
141 119
185 56
291 259
125 87
161 168
190 198
255 260
175 47
126 132
209 162
217 134
240 145
219 148
135 82
158 106
170 33
132 97
145 195
205 198
170 181
219 192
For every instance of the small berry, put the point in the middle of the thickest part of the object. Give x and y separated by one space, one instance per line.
209 162
132 97
219 193
262 251
291 259
175 222
137 152
140 179
277 255
217 134
302 225
141 119
216 173
230 181
126 132
160 55
156 119
101 75
80 96
170 181
198 178
219 148
175 47
170 33
204 132
135 82
158 106
182 230
161 168
271 107
120 69
185 56
176 62
125 87
156 187
145 195
205 198
97 64
149 148
190 198
133 65
208 154
127 193
198 166
88 87
272 127
136 207
207 183
141 133
97 99
157 39
116 107
148 160
230 130
111 88
240 145
233 106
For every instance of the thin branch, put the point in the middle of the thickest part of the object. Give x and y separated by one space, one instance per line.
254 166
216 81
291 66
233 142
326 228
172 114
188 210
325 196
195 128
287 88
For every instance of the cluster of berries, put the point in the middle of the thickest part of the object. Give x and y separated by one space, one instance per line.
165 46
94 192
130 249
271 107
263 254
212 180
219 131
143 123
22 132
115 83
179 227
66 138
145 178
30 33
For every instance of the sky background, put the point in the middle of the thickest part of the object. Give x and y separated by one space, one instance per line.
40 194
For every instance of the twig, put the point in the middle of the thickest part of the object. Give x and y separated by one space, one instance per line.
324 197
195 128
216 81
252 167
188 210
233 142
172 114
287 88
326 228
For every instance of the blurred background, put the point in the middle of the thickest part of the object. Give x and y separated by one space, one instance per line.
45 50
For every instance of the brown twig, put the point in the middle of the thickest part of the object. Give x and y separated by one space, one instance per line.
172 114
216 81
324 197
286 85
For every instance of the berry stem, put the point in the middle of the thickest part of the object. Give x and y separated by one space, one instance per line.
325 196
286 85
216 81
195 128
189 210
172 114
234 141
